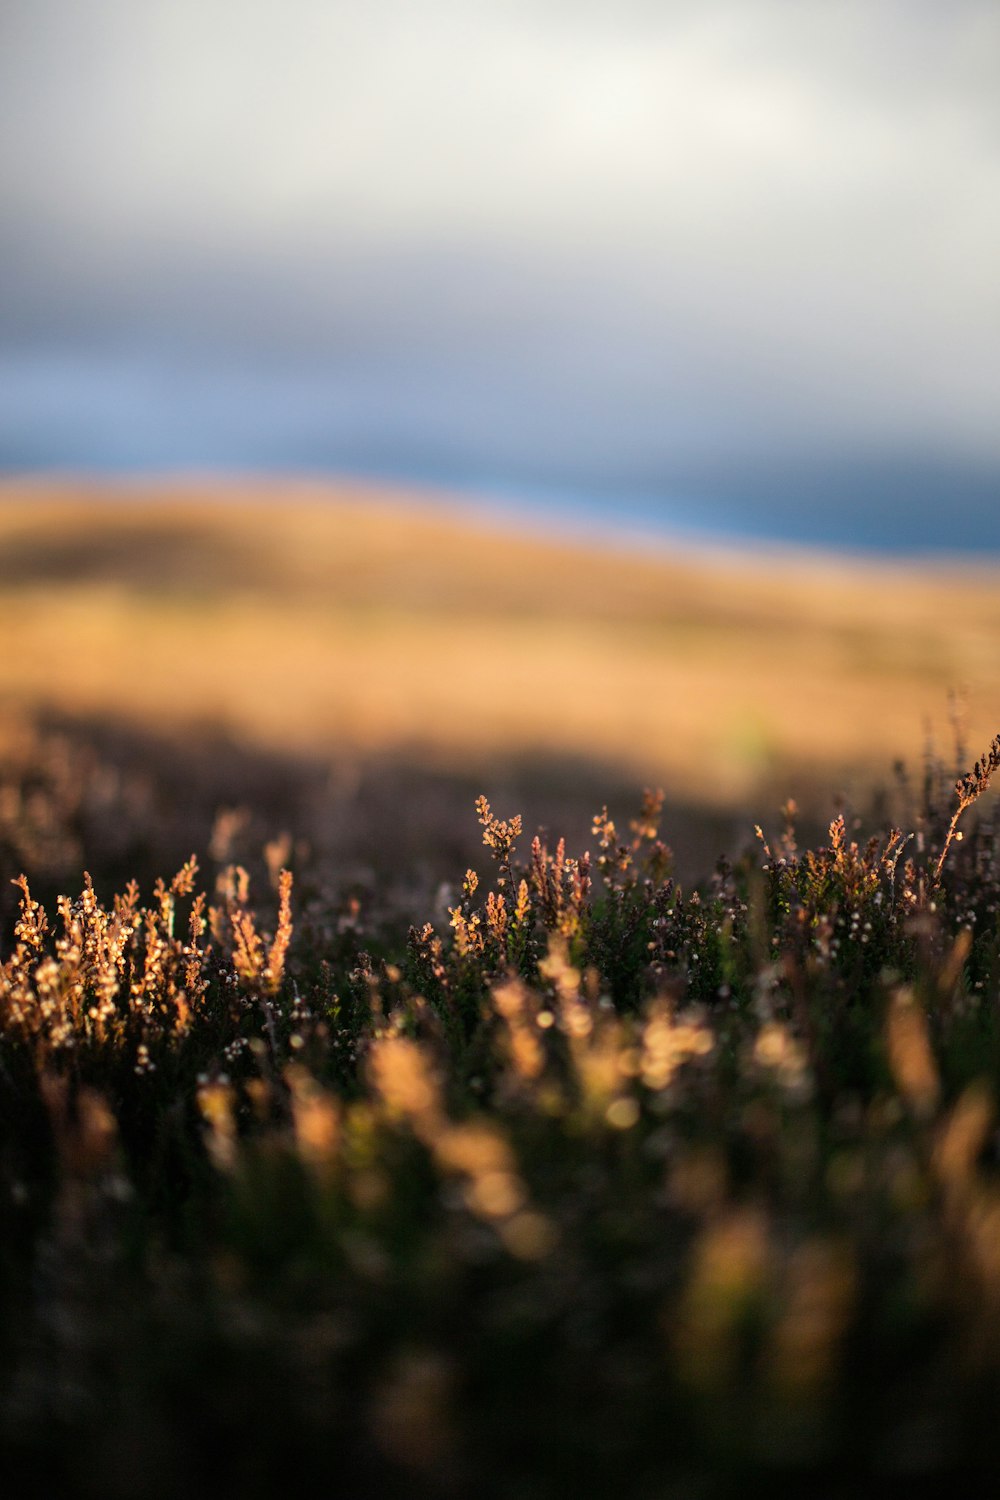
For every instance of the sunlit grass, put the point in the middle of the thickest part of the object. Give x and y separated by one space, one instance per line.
594 1182
304 619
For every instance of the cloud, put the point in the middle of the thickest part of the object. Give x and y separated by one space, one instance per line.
756 227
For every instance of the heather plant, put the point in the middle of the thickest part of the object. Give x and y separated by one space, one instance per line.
597 1182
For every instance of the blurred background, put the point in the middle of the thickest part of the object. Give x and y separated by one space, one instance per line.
541 398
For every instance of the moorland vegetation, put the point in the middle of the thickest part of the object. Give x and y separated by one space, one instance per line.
585 1181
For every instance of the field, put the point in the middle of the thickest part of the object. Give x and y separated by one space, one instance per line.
388 1150
361 665
302 621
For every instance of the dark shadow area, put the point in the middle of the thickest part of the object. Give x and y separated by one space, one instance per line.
122 803
172 555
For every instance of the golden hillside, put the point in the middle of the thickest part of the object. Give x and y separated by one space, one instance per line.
343 620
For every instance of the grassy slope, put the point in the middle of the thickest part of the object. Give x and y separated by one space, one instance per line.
378 623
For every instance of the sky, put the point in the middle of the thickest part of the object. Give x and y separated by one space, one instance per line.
731 262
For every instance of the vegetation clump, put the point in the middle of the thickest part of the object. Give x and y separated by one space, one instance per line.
597 1184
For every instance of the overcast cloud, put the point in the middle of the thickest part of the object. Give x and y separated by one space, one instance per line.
658 246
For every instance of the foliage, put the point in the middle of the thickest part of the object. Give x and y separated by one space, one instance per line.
600 1185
